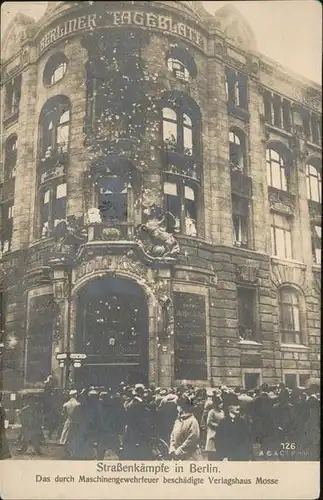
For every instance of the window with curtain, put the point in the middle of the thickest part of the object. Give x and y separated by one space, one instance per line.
314 182
178 69
237 150
317 243
276 170
55 128
52 207
177 131
290 316
10 157
180 200
7 214
281 238
236 88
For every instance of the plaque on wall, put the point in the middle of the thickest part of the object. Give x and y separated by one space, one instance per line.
190 336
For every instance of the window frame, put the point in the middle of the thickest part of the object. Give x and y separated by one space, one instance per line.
288 307
179 144
254 325
51 189
55 61
281 162
286 220
181 182
313 172
51 115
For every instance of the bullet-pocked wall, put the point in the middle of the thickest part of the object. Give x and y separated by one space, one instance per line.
160 200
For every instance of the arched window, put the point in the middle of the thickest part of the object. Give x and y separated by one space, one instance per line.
276 170
177 131
170 128
314 182
55 69
180 62
290 316
10 159
237 150
178 69
54 127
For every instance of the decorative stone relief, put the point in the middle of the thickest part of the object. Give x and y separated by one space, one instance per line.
153 236
247 272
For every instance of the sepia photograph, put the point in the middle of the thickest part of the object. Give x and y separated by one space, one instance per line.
160 234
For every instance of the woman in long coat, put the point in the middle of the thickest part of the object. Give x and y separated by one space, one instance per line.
185 437
215 415
73 435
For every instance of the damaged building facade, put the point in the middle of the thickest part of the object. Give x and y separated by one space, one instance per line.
160 201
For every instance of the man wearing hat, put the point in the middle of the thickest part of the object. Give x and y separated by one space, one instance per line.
233 435
69 433
136 437
184 439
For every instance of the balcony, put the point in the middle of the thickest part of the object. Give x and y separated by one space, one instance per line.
52 165
241 184
11 117
7 190
53 173
315 210
184 164
281 201
111 231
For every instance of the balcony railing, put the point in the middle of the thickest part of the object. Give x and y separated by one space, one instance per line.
55 160
7 190
111 231
241 184
53 173
281 201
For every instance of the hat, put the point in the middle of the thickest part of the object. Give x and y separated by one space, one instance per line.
93 392
72 392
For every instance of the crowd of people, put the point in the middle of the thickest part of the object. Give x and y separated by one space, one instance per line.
185 423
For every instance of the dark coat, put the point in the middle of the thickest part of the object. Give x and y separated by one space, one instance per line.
4 447
31 425
137 431
234 440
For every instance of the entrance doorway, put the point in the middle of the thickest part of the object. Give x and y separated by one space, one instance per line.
112 330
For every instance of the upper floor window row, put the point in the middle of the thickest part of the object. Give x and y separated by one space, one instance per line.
55 69
277 110
236 90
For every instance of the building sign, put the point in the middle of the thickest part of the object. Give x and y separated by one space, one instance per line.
151 20
112 264
190 336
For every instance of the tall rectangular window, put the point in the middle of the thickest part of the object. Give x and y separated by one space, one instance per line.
190 336
180 200
240 221
281 239
6 215
237 88
317 243
246 313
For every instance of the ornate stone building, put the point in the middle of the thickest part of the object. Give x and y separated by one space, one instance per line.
160 200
